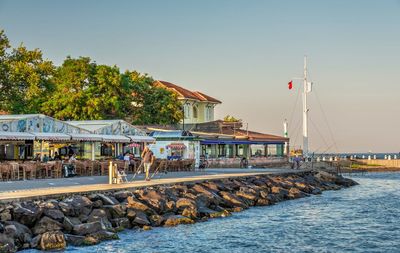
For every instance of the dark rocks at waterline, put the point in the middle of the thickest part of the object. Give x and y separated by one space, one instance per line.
83 220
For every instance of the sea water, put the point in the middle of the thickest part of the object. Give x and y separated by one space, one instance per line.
364 218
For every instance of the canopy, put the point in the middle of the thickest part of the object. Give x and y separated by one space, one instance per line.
176 146
86 137
134 145
52 136
139 138
115 138
16 136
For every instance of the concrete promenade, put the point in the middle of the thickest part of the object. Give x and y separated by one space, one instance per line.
20 190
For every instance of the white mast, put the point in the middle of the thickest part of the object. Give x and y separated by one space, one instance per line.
285 134
306 89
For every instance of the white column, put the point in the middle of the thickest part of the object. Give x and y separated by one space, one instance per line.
305 111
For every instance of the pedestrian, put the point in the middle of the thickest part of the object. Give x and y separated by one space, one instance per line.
148 159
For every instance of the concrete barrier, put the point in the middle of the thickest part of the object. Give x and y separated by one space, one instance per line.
382 162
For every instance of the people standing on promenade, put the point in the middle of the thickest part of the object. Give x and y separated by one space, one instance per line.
148 159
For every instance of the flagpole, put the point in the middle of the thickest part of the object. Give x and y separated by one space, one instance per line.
305 111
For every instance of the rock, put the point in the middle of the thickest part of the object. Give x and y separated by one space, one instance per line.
19 232
115 211
104 235
76 206
46 224
70 222
170 207
131 214
54 214
88 228
90 240
7 244
140 219
5 215
97 203
233 200
121 196
280 192
35 242
146 228
54 240
153 199
75 240
137 205
295 193
316 191
175 220
262 202
99 215
190 212
121 223
182 203
156 220
108 200
237 209
27 214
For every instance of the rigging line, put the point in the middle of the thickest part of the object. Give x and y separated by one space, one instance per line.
326 120
316 128
297 132
294 107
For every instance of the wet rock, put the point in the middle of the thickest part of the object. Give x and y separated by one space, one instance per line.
295 193
46 224
130 214
35 242
54 214
54 240
146 228
75 240
175 220
156 220
221 214
316 191
104 235
88 228
7 244
262 202
280 192
27 213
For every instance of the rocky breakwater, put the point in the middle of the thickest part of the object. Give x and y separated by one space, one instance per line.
89 219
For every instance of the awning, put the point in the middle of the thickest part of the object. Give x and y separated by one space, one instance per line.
176 146
16 136
86 137
52 136
218 141
139 138
134 145
115 138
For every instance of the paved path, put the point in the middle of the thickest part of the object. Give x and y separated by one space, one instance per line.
18 190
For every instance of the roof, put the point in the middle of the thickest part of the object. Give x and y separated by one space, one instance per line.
20 116
187 94
93 125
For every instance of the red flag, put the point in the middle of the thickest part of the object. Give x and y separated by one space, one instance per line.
290 84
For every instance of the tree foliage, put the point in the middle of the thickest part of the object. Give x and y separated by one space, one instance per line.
80 89
229 118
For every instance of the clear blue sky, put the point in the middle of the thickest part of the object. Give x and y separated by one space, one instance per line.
244 53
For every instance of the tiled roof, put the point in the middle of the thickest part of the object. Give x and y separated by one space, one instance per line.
187 94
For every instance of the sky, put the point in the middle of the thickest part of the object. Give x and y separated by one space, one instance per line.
243 53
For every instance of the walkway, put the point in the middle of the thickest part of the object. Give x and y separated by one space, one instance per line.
17 190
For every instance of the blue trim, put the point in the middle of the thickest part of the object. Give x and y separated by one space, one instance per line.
205 142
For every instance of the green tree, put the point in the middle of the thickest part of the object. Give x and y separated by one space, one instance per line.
24 78
151 104
229 118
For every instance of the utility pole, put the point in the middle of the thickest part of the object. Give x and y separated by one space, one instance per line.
306 89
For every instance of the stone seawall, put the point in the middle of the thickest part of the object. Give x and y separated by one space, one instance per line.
88 219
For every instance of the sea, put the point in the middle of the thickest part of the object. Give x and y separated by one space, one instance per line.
363 218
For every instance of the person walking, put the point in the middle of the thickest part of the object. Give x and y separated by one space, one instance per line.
148 159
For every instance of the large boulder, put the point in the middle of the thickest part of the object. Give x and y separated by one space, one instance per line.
54 214
27 213
46 224
121 223
99 215
175 220
115 211
121 196
108 200
88 228
21 234
295 193
76 206
191 213
70 222
7 244
5 215
54 240
140 219
280 192
233 200
137 205
183 203
153 199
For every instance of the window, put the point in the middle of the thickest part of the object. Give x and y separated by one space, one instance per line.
209 112
257 150
195 111
240 150
272 150
186 110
